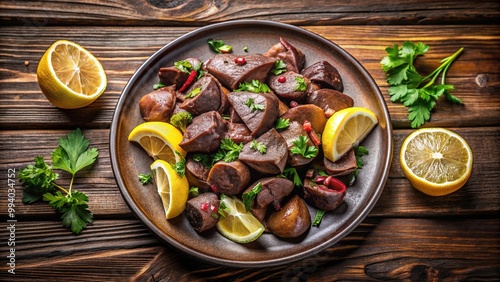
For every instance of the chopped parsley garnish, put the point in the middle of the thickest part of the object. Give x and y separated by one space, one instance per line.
193 92
292 174
318 217
301 84
279 67
359 152
255 86
158 86
258 146
180 166
300 148
194 191
254 106
250 196
145 178
282 124
219 46
184 66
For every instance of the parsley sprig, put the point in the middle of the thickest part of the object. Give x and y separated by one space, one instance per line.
219 46
249 196
359 152
258 146
407 86
72 155
300 148
282 124
250 102
255 86
279 67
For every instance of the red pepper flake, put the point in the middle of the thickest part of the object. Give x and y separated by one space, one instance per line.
312 134
204 206
189 80
213 208
282 79
214 188
240 60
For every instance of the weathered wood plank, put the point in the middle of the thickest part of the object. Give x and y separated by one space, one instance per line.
393 249
154 12
122 50
478 196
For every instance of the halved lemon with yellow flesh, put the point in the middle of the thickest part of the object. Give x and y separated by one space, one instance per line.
160 140
70 76
237 224
436 161
172 188
345 129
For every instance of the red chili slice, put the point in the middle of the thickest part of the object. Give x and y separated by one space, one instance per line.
312 134
189 80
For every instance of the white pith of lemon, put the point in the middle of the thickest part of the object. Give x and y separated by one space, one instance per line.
70 76
436 161
345 129
172 188
160 140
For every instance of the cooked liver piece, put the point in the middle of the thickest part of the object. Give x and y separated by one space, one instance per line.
291 134
229 178
273 190
204 133
324 74
197 173
258 121
330 100
200 211
158 105
271 162
209 98
231 74
321 197
291 56
172 75
285 85
239 133
343 166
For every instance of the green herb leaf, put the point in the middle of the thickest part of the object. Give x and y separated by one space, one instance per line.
223 209
318 217
282 124
230 150
257 146
180 166
359 152
194 191
254 106
279 67
145 178
219 46
184 66
193 93
37 179
300 148
250 196
301 84
158 86
405 83
255 86
292 174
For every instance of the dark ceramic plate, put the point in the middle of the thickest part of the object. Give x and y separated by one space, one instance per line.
128 160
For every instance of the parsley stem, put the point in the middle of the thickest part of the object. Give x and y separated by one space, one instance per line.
61 188
71 183
442 68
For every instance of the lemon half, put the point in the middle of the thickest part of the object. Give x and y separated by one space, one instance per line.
436 161
70 76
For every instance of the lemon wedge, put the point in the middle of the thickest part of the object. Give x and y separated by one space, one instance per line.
238 225
160 140
346 129
70 76
436 161
172 188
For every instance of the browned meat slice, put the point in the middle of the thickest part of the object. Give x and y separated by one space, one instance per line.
324 74
291 56
229 178
273 161
158 105
324 192
291 134
204 133
258 111
231 74
197 173
239 133
343 166
290 85
273 190
312 113
204 96
292 220
173 75
330 100
201 210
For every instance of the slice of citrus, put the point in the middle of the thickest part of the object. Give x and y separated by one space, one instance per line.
172 188
238 225
346 129
436 161
160 140
70 76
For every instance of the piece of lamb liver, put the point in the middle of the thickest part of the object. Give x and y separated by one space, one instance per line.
204 133
208 99
324 74
229 178
200 211
158 105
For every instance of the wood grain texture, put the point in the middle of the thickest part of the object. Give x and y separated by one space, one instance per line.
392 249
199 13
478 196
122 50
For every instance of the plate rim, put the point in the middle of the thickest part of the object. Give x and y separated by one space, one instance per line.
354 223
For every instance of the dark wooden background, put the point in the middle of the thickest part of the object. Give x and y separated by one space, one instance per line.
407 236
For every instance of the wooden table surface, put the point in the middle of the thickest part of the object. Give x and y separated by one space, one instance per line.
407 235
